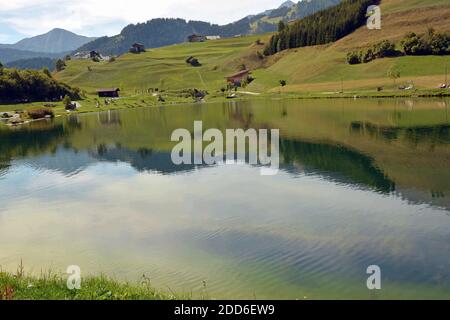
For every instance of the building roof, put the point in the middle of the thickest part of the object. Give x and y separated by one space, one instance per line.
240 73
108 90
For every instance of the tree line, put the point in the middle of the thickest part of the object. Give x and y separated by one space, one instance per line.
430 43
32 85
323 27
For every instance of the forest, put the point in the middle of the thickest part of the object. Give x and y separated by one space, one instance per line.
322 27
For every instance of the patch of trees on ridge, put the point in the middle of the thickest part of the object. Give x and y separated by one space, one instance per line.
431 43
31 85
323 27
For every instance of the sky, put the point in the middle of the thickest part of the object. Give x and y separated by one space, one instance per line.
25 18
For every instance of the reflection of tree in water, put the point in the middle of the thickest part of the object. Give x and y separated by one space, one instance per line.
338 162
26 141
434 135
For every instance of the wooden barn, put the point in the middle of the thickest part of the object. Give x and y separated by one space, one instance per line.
108 93
237 78
137 48
196 38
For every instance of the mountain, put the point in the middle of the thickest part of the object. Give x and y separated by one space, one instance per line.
162 32
287 4
9 55
54 41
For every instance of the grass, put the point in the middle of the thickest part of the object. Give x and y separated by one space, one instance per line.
164 68
54 287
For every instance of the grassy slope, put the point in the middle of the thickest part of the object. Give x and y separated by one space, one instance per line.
321 68
165 68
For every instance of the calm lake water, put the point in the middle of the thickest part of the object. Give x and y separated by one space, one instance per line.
362 182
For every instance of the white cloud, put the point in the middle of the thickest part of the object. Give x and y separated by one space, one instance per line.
98 17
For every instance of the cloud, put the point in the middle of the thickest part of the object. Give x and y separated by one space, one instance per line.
100 17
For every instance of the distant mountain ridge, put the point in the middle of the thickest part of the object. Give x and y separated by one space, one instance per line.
163 32
54 41
8 55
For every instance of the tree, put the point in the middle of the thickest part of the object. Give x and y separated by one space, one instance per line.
60 65
67 102
32 85
67 57
281 26
394 73
1 68
47 72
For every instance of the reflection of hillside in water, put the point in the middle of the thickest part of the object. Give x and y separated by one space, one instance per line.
109 137
433 135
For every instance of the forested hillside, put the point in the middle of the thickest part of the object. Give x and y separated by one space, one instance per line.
322 27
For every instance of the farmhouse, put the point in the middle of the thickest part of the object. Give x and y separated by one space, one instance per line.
196 38
237 78
94 54
108 93
137 48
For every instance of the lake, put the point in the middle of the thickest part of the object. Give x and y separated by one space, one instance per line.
361 183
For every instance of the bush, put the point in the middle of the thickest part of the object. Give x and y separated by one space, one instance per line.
367 56
353 58
431 43
384 49
40 113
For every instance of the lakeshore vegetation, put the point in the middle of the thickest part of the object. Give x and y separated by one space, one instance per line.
52 286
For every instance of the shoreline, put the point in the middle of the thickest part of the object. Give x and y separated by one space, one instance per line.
136 102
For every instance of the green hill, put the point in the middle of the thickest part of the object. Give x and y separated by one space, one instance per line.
166 68
317 69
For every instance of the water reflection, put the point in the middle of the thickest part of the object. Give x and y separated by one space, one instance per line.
100 189
140 138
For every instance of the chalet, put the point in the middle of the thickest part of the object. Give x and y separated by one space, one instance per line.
196 38
94 54
137 48
237 78
108 93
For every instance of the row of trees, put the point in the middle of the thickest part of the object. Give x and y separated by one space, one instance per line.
430 43
322 27
32 85
382 49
